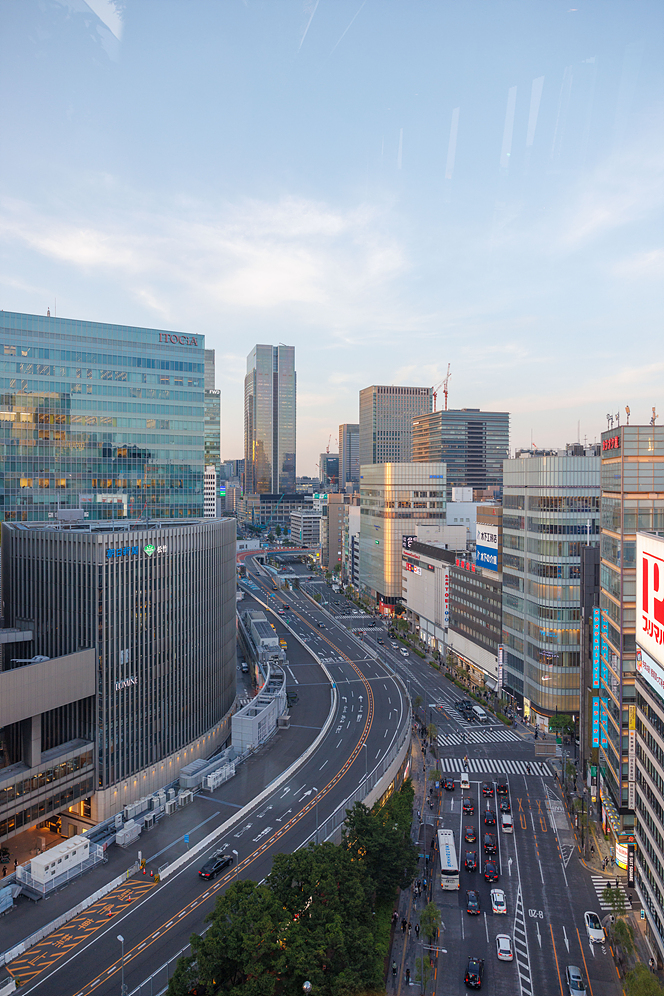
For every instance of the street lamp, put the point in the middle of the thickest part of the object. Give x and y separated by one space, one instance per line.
123 988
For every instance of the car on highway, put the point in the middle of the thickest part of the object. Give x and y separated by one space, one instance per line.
498 904
574 980
474 973
490 871
286 607
490 843
379 640
501 787
504 948
469 835
394 644
468 806
448 783
470 861
487 788
473 902
280 611
321 625
594 928
403 652
217 863
489 818
244 667
505 806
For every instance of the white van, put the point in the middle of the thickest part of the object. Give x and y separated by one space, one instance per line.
479 714
464 781
403 651
506 822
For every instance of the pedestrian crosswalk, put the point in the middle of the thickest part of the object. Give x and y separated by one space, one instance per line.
491 735
494 766
600 883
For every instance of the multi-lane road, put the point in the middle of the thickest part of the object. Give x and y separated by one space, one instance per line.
371 714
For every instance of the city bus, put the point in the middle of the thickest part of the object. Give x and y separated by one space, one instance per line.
449 866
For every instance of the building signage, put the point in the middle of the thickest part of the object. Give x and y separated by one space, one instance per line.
123 551
612 443
596 615
126 683
630 866
407 541
177 340
446 596
603 723
487 546
500 668
595 736
413 567
650 670
650 595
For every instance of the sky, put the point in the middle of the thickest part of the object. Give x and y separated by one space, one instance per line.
391 187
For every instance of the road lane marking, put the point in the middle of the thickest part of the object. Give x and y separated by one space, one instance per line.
555 954
584 962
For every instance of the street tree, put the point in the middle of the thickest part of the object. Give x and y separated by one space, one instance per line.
430 922
640 981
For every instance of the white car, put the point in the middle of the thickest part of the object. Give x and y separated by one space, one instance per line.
498 904
575 982
393 644
594 928
403 652
504 948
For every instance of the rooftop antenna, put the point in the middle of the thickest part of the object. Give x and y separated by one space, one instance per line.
48 312
618 419
609 420
628 413
655 416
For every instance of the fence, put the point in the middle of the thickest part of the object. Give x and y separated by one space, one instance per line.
25 878
157 983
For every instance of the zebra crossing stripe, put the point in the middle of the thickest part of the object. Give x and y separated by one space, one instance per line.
600 884
494 766
521 947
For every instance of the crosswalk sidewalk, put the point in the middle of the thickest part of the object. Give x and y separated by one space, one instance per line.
494 766
490 735
600 883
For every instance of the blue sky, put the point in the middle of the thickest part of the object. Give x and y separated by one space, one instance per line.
388 186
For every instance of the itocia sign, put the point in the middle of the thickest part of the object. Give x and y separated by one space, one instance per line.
177 340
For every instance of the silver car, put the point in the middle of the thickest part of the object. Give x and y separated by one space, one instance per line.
575 982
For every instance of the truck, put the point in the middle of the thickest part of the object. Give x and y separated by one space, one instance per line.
282 643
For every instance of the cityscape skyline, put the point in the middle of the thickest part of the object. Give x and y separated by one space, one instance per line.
358 190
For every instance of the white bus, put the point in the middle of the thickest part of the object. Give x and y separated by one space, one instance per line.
449 867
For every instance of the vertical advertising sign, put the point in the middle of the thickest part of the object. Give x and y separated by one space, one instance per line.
603 723
604 650
650 596
630 866
446 596
595 735
486 548
596 620
500 668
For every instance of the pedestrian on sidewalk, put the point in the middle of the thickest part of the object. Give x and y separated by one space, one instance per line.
4 871
407 976
409 928
417 931
394 969
395 918
403 924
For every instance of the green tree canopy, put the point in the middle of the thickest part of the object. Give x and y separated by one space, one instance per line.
641 982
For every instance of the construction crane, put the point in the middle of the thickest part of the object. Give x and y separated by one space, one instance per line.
435 393
327 448
445 383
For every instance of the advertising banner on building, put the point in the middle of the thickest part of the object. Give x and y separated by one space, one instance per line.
650 670
446 597
603 723
650 596
595 735
486 547
500 668
596 622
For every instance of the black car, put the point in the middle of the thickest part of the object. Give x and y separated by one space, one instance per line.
473 902
470 861
286 606
448 783
378 640
505 806
468 806
490 843
216 864
474 973
487 788
321 625
501 788
491 871
469 835
489 818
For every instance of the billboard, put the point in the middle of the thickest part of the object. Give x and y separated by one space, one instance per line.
596 654
486 547
650 596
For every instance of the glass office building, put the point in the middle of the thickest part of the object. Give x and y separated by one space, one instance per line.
270 388
212 404
473 445
104 417
156 601
386 421
550 509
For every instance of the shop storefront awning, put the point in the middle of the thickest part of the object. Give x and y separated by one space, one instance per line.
491 683
611 812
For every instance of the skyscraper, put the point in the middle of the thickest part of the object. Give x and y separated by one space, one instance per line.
473 445
349 454
212 415
269 420
386 427
108 418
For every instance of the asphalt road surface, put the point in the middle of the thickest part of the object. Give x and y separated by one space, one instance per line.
371 714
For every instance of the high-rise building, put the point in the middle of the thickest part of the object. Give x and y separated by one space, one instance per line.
632 499
269 420
104 417
212 415
386 422
156 604
329 471
645 740
550 509
349 454
331 528
472 443
394 498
